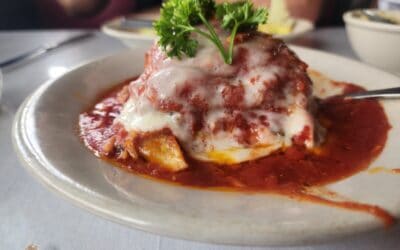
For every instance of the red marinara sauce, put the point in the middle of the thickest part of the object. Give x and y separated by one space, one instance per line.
356 134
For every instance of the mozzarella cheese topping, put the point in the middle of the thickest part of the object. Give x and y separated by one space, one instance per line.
224 113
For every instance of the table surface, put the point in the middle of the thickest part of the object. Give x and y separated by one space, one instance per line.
30 214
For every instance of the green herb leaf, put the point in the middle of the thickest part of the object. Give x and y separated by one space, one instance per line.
239 16
174 29
179 19
242 14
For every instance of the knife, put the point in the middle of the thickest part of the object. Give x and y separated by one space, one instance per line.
34 53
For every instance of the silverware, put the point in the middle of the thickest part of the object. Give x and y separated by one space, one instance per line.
43 49
1 85
373 16
130 23
379 93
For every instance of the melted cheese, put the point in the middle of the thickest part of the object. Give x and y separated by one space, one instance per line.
172 76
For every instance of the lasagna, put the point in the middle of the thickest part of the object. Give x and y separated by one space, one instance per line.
219 112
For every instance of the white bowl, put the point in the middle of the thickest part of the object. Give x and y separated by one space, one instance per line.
131 37
375 43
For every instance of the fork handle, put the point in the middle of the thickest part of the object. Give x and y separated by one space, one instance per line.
379 93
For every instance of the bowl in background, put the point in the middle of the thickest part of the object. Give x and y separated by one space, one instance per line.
375 43
130 37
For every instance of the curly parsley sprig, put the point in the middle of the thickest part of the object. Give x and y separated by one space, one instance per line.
180 18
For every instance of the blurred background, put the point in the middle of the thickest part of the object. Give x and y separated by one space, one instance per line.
129 21
62 14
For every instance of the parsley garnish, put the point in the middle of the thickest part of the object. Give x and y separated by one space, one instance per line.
180 18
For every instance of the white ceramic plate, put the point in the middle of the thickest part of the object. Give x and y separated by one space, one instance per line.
130 37
45 138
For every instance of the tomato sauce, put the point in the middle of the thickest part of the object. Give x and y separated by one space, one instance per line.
356 134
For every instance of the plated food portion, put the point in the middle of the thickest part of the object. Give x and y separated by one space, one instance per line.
264 201
223 106
224 113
